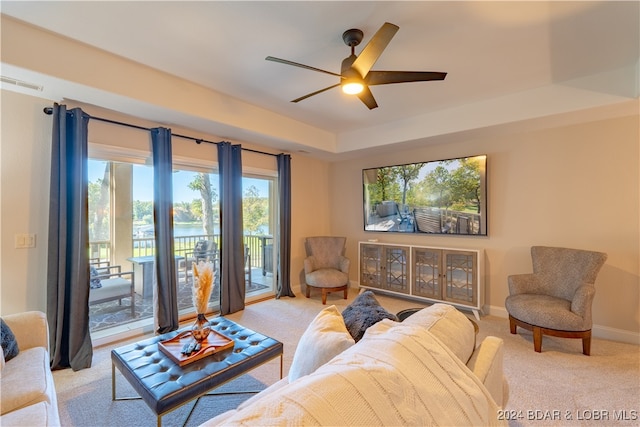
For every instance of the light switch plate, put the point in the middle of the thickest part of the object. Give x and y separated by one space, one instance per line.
25 241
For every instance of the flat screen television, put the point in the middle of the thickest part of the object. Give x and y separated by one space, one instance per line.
435 197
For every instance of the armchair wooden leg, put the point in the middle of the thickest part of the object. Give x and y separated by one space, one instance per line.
512 325
324 296
586 343
537 339
346 291
308 291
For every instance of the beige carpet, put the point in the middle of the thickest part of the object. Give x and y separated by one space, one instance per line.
559 386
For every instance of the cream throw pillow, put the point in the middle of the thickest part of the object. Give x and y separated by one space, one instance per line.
448 325
325 337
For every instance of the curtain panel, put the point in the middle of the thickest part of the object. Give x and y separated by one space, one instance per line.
67 259
165 301
232 279
283 284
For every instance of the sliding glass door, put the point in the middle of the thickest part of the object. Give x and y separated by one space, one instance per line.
122 236
121 243
196 229
259 220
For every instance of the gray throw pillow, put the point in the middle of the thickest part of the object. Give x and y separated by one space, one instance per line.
9 343
363 312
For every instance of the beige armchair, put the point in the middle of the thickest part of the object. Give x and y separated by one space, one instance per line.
326 268
556 299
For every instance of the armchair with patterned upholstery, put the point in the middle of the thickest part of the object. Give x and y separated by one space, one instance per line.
556 298
326 268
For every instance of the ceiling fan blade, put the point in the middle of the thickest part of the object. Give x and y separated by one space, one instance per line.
388 77
367 97
315 93
295 64
374 48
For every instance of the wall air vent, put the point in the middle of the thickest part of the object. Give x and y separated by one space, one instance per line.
16 82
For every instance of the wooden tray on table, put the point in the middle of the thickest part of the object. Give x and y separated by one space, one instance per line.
214 343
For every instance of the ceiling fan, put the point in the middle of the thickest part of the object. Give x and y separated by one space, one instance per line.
356 75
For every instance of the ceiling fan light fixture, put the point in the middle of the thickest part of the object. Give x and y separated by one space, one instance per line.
352 87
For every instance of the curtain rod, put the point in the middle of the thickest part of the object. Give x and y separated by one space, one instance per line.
49 111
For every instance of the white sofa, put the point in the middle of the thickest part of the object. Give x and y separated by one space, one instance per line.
28 396
425 370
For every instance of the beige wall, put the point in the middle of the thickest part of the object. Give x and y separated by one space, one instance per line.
25 150
574 186
311 208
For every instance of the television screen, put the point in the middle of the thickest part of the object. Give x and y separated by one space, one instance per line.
436 197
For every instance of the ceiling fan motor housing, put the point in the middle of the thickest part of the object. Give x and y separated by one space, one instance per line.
352 37
345 69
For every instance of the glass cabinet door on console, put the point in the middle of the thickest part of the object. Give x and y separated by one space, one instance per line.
424 273
447 275
370 269
384 267
460 272
395 269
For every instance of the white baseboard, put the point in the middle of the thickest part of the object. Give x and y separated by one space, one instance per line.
615 334
495 311
598 331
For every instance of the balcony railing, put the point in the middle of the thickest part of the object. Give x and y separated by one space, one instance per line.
260 248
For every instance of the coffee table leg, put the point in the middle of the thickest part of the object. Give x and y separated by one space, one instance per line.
113 382
113 387
191 411
113 393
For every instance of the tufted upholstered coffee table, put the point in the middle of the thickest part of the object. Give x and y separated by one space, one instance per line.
165 386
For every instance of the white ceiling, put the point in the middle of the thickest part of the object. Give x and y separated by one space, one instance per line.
491 50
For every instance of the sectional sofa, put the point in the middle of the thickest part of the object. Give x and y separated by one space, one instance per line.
28 396
426 370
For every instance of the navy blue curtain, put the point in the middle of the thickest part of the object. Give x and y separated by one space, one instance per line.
165 292
283 284
68 264
232 278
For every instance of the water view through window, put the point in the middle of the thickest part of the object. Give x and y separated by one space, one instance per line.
121 234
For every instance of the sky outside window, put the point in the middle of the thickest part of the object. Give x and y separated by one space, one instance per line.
143 179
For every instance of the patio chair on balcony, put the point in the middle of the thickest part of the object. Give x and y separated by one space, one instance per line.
204 251
247 265
109 283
